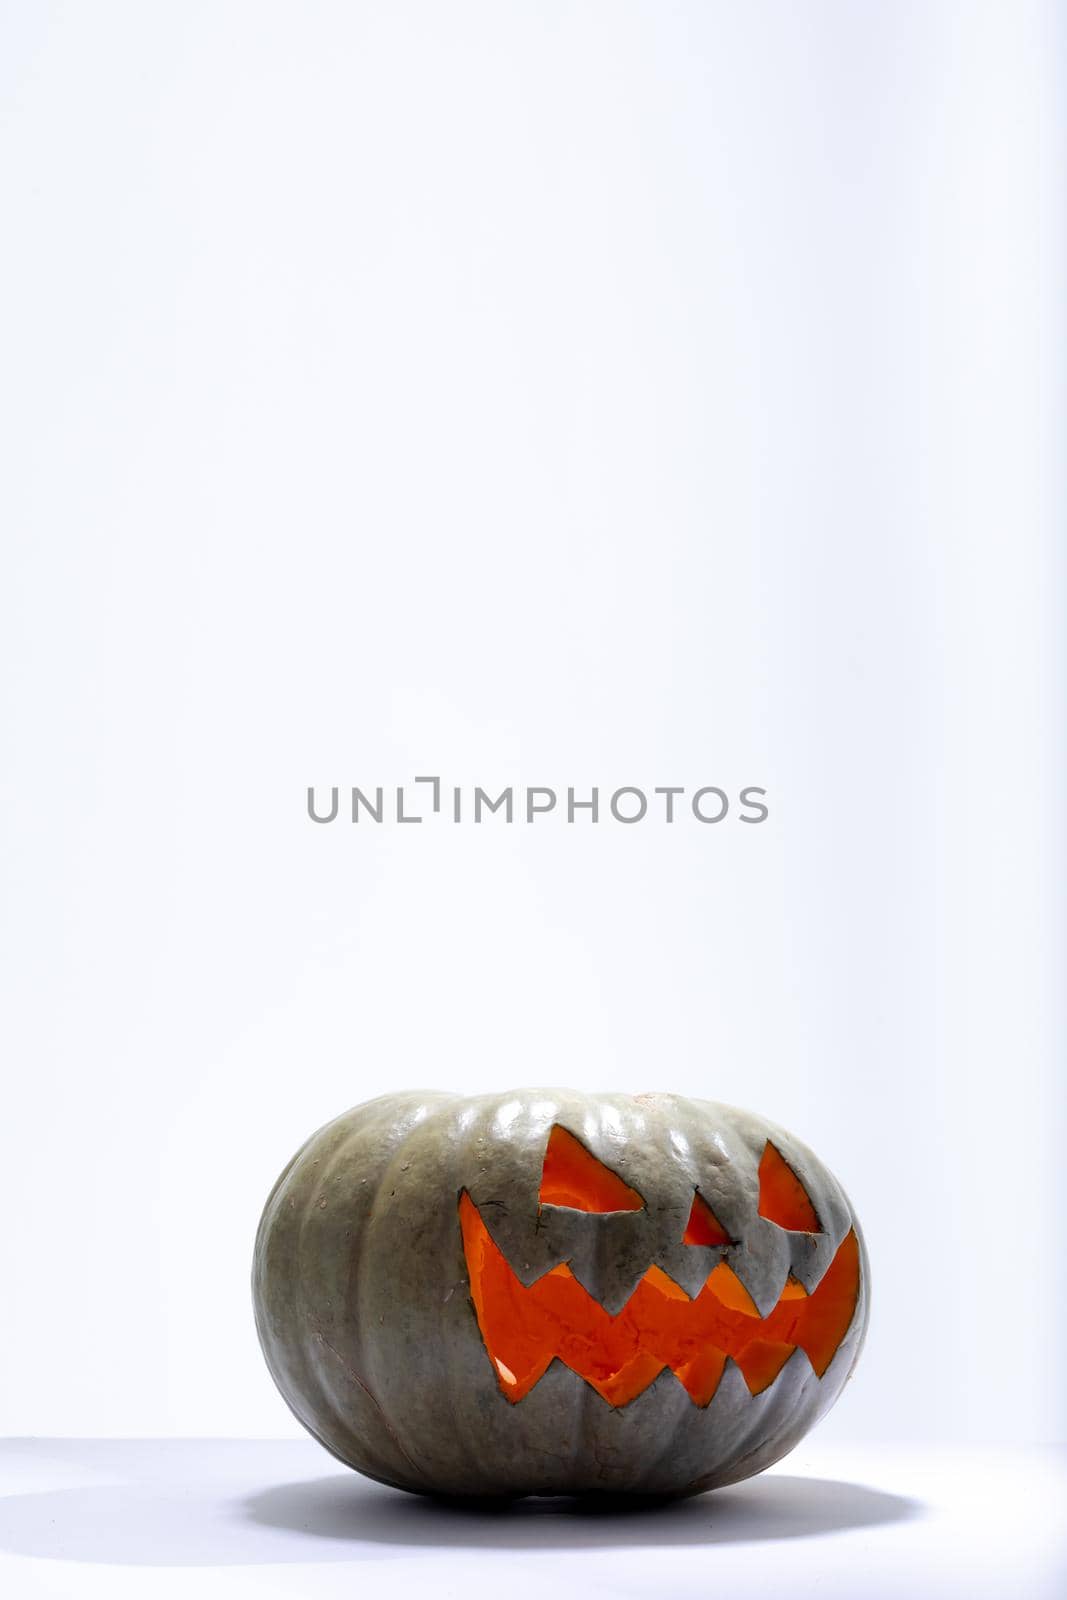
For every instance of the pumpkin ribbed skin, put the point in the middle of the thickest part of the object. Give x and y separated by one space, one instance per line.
364 1310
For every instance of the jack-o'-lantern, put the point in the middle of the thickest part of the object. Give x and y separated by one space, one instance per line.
546 1292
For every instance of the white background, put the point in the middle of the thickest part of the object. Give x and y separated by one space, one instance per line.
546 394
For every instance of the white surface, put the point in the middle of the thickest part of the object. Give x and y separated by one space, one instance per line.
574 391
94 1518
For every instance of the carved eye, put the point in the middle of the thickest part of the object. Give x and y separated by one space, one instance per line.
782 1197
573 1177
704 1226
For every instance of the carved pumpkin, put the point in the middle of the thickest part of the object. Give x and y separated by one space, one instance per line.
545 1292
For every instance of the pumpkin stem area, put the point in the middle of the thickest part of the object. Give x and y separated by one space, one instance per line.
525 1329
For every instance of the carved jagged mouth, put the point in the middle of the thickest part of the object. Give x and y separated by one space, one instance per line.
526 1329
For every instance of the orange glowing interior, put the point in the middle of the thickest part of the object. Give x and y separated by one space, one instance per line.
704 1226
782 1197
572 1176
525 1329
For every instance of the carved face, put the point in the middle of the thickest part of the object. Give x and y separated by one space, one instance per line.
549 1292
660 1325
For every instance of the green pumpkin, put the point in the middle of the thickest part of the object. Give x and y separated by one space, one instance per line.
547 1292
